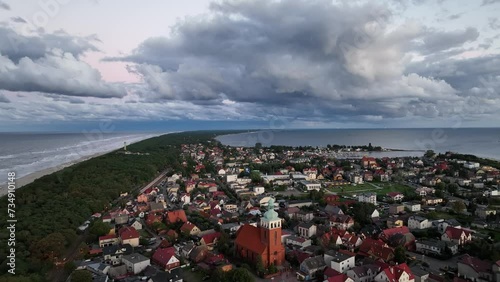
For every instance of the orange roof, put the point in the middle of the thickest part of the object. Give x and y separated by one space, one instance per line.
248 237
177 215
187 227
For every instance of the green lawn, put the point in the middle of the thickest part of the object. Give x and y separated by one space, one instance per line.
386 187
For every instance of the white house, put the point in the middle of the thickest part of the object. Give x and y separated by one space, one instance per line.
341 261
456 235
368 198
471 165
231 178
309 186
258 190
307 229
399 273
418 222
375 214
413 207
136 224
435 247
135 263
221 171
297 241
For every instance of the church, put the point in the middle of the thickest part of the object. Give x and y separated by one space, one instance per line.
263 241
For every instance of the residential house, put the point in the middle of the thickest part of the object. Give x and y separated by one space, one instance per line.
418 222
443 224
435 247
475 269
456 235
210 240
333 210
413 207
306 229
340 261
364 273
113 254
175 216
396 209
368 198
166 258
394 222
304 216
309 186
298 241
136 224
190 229
376 249
430 201
425 191
108 240
485 212
136 263
396 273
129 235
310 267
341 221
395 196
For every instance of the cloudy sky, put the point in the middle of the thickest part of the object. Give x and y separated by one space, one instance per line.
154 65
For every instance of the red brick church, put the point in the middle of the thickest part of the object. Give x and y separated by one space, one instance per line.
263 241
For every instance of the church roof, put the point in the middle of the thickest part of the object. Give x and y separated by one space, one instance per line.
248 237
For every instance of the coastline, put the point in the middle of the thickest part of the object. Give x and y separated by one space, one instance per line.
30 178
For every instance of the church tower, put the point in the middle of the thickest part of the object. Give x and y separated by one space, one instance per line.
270 235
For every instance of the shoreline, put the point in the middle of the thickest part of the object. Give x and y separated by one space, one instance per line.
30 178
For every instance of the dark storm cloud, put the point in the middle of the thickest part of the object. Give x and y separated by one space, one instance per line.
316 58
17 46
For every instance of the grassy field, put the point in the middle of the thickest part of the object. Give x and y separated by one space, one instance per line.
381 188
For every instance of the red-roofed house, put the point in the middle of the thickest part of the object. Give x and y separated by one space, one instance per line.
190 229
396 273
456 235
210 240
166 259
129 235
142 198
152 218
175 216
368 162
376 249
340 278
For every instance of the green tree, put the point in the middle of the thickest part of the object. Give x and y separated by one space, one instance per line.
458 206
400 254
99 228
240 275
81 276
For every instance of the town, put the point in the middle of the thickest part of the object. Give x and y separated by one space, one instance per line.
300 214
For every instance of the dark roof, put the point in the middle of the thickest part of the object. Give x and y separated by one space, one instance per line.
337 256
314 262
161 276
135 258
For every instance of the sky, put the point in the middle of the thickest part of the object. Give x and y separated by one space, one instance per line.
69 65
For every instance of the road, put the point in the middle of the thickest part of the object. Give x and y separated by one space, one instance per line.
436 264
155 181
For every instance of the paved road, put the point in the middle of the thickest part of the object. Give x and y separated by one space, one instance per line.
436 264
155 181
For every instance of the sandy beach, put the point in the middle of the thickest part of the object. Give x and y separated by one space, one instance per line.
27 179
